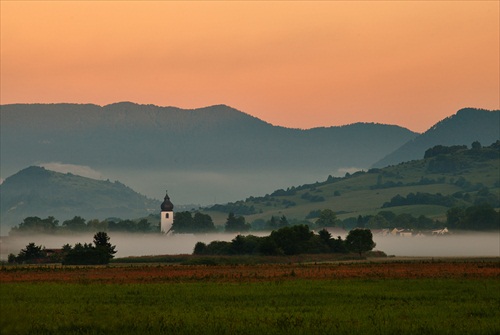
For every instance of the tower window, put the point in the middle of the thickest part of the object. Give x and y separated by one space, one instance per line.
166 215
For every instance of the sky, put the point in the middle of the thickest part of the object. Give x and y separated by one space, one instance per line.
295 64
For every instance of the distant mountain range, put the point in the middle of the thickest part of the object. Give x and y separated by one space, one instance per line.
463 128
35 191
206 155
214 154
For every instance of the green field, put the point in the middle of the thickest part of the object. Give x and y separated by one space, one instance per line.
390 306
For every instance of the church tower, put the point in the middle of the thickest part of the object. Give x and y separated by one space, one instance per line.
167 215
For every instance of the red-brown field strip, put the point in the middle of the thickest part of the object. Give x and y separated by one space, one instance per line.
250 273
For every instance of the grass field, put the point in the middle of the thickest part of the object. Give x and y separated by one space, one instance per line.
419 297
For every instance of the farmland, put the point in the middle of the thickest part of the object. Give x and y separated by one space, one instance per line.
427 296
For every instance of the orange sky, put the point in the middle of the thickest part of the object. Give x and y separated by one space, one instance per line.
295 64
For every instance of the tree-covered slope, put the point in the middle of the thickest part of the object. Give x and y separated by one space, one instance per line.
36 191
445 178
463 128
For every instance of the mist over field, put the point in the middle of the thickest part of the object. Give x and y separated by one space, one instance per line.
468 244
471 244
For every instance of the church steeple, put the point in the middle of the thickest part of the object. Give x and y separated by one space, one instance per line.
167 215
167 205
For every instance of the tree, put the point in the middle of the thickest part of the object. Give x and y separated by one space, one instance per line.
455 217
325 235
236 224
100 253
272 223
29 254
77 223
203 223
283 222
327 218
144 226
476 145
105 249
378 221
360 241
199 248
34 224
482 217
96 225
183 223
292 240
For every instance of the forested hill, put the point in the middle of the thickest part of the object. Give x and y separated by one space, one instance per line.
146 147
463 128
211 137
36 191
447 177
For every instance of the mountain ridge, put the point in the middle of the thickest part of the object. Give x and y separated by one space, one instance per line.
146 146
462 128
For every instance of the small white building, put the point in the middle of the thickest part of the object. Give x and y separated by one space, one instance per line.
167 215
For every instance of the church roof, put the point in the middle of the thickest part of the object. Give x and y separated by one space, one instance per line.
167 205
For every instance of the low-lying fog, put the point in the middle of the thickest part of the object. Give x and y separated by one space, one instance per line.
458 245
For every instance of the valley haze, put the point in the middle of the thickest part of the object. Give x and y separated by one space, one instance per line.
203 156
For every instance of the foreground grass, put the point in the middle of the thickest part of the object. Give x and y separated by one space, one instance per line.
383 306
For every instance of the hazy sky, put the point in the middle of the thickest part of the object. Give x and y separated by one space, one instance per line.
295 64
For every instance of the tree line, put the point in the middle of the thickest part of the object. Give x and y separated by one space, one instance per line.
477 217
292 240
50 225
457 199
481 217
100 252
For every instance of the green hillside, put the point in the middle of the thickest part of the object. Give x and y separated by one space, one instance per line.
447 177
36 191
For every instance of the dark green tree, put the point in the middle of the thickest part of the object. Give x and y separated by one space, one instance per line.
105 249
76 224
476 145
360 241
34 224
481 217
455 217
283 222
199 248
96 225
30 254
183 223
292 240
388 215
272 223
377 221
202 223
325 235
327 218
236 224
100 253
144 226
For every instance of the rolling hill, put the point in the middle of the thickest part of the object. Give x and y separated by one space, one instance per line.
35 191
448 176
204 155
463 128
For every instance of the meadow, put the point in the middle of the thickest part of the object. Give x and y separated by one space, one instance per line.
418 297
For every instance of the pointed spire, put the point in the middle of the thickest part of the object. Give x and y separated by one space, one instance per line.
167 205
